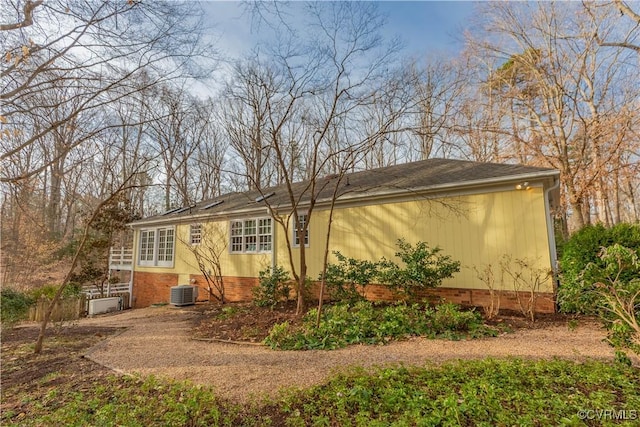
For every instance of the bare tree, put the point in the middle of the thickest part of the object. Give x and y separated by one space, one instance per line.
626 37
82 246
98 49
438 87
311 93
207 245
244 114
562 94
208 163
172 112
69 69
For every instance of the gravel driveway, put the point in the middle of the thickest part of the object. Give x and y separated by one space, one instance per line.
157 341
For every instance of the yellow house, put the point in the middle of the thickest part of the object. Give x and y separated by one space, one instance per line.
493 218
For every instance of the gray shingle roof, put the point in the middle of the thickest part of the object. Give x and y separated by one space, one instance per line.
403 178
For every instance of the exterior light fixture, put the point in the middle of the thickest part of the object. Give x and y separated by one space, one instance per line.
524 186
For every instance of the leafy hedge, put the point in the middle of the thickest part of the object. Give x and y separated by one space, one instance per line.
422 267
14 306
576 293
366 323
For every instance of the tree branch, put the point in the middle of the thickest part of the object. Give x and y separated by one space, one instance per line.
28 9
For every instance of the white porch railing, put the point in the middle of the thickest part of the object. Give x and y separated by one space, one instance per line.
121 258
107 291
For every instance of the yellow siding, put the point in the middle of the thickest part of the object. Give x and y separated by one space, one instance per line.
477 230
214 235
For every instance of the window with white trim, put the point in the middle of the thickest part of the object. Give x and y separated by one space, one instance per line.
264 234
236 236
251 235
302 220
157 247
147 245
165 245
195 234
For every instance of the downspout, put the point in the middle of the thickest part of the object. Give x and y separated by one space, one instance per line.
274 247
133 266
551 233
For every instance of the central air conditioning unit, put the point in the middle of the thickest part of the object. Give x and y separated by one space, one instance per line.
104 305
184 295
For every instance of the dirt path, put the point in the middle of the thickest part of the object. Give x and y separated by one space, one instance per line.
158 342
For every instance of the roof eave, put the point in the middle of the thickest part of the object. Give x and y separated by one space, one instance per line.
443 188
347 198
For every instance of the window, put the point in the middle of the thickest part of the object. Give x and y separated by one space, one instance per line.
146 246
165 245
264 234
251 235
236 236
302 220
157 247
195 234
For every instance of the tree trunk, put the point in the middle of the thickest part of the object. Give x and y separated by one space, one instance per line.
577 220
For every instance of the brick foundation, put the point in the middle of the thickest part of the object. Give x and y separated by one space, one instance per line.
152 288
508 300
236 289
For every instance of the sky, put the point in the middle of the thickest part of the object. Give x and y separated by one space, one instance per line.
424 26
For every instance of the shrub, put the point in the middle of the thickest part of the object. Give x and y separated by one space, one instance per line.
274 287
575 294
14 305
71 290
618 287
449 317
347 279
366 323
424 267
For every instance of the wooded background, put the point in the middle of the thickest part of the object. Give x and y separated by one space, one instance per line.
99 103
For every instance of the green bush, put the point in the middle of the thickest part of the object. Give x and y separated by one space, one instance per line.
424 267
14 305
366 323
273 288
49 291
347 279
617 286
576 294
